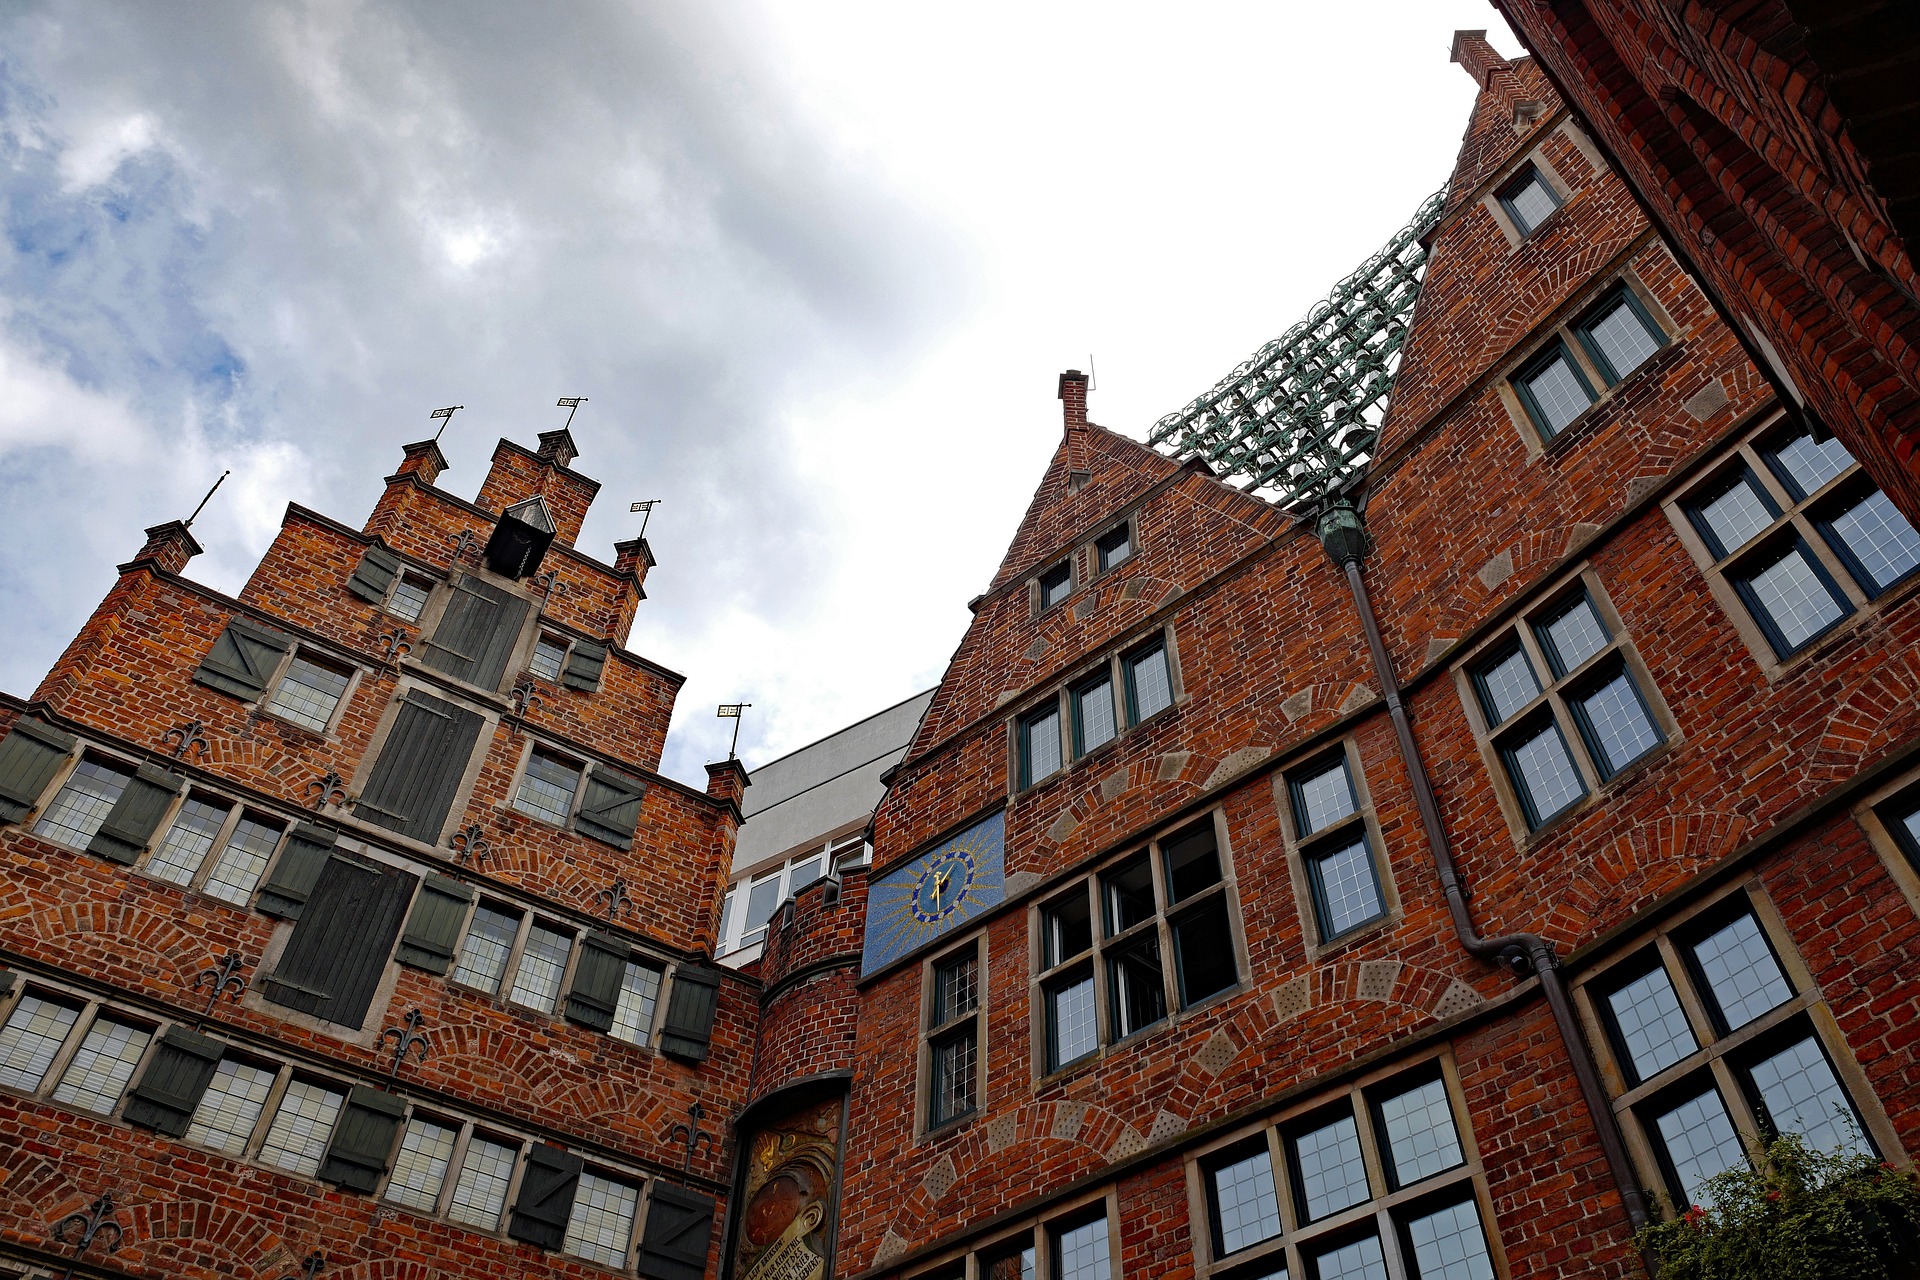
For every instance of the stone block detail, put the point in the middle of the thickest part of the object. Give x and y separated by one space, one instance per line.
1063 826
1165 1125
1581 535
1171 765
1067 1119
1083 608
891 1247
1437 649
1216 1053
1001 1131
1707 401
940 1179
1361 696
1234 765
1133 589
1113 784
1035 651
1126 1146
1458 998
1377 979
1004 697
1496 571
1640 486
1298 705
1021 881
1293 999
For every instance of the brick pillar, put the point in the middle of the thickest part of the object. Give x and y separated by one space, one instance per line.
727 780
422 458
1073 407
169 546
1482 60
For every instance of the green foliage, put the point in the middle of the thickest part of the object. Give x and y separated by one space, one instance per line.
1797 1212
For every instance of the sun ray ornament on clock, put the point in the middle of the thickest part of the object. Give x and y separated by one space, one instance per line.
935 891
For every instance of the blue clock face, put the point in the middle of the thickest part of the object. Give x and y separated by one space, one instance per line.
924 897
943 886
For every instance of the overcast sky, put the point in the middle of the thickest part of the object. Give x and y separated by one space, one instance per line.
816 264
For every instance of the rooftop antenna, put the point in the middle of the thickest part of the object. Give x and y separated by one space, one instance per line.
646 510
1093 378
731 711
204 501
572 405
445 415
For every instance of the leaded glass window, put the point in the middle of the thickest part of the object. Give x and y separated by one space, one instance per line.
308 694
547 787
1039 746
543 964
480 1192
1620 335
1528 199
231 1106
600 1228
236 873
1553 390
489 942
31 1038
1246 1208
103 1066
180 852
420 1170
83 803
297 1138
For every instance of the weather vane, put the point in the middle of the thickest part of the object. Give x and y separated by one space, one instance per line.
445 415
572 405
731 711
646 510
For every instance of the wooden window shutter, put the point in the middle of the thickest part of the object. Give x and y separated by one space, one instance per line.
374 575
175 1078
338 952
610 806
131 822
679 1229
419 770
584 666
596 981
29 757
433 930
689 1026
362 1141
286 891
477 634
546 1197
243 659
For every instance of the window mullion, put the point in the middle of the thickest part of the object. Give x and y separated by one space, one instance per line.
1579 745
1838 571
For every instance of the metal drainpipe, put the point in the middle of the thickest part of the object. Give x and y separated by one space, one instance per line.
1343 536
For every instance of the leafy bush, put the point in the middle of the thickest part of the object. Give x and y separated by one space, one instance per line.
1796 1212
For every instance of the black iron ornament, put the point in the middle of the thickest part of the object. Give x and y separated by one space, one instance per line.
526 696
310 1266
470 844
690 1133
186 737
547 584
397 646
80 1230
407 1041
614 899
464 547
224 979
328 788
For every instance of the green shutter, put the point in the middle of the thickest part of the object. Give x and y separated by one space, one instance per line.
298 870
477 634
545 1202
584 666
596 981
362 1141
29 757
176 1077
433 930
425 756
243 659
8 981
131 822
374 575
679 1230
610 806
338 953
689 1025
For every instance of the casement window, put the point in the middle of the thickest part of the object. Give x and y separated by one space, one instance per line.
1091 710
1335 847
1149 933
1149 681
636 1002
1055 585
99 1072
236 872
296 1141
230 1106
1553 389
951 1034
601 802
1528 199
1794 536
543 967
308 693
477 633
480 1191
1077 1244
751 902
110 808
32 1036
600 1223
1619 334
246 841
489 943
1114 548
420 767
1718 1042
548 786
420 1167
409 598
1562 701
90 793
1375 1181
343 935
1040 755
1600 348
549 657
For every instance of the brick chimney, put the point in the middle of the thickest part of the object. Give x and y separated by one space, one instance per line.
727 780
422 458
1482 60
169 546
1073 406
558 447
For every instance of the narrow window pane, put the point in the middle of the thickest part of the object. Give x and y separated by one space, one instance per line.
955 990
1700 1142
1150 682
1203 951
75 815
1558 393
1544 773
297 1138
1506 686
542 965
481 1191
230 1107
728 906
1067 929
1530 202
420 1170
547 788
1794 599
1039 747
954 1064
236 873
99 1072
1802 1096
548 657
1323 799
308 694
633 1010
1244 1204
1618 725
762 899
1080 1253
1448 1244
1417 1127
1115 548
1737 516
1652 1027
1015 1264
1809 465
1193 862
1093 714
1360 1260
1622 338
1741 973
187 841
1347 892
804 874
483 956
1879 538
1574 635
1333 1174
34 1032
1072 1030
1138 989
409 599
601 1225
1055 585
1128 893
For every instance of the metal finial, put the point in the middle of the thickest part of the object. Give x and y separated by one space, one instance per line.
407 1040
731 711
572 405
614 898
445 415
225 980
80 1229
690 1132
209 498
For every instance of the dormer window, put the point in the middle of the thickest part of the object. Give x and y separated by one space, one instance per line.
1056 584
1115 549
1528 199
521 539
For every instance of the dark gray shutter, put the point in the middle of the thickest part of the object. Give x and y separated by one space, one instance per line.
420 767
689 1025
433 929
596 981
375 573
8 981
547 1185
357 1156
134 817
679 1228
298 870
477 633
610 806
584 666
29 757
338 952
242 660
175 1078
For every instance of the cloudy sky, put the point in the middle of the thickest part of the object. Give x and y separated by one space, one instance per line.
816 264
